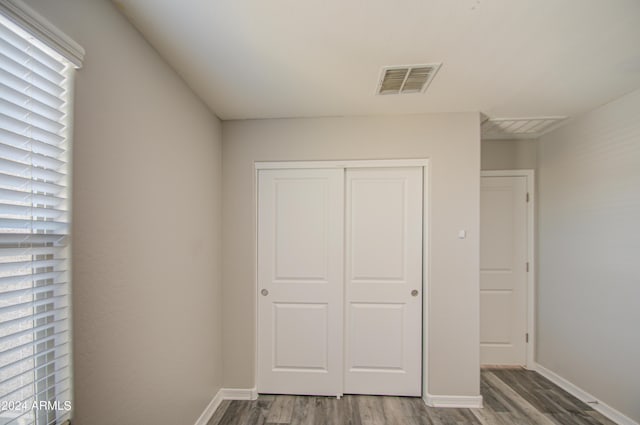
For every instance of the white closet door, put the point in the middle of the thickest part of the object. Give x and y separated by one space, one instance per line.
383 333
300 281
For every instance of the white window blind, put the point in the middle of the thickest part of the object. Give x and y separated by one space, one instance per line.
35 358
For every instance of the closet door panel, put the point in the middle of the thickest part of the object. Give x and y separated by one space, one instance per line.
300 281
383 293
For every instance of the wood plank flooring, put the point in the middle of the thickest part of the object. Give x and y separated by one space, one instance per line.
511 396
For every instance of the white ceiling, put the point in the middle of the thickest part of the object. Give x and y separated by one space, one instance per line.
294 58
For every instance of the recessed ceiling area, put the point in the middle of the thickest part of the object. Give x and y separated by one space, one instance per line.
519 128
287 58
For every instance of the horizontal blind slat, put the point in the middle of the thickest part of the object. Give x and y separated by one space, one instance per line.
29 211
58 381
62 370
16 140
14 370
15 182
25 319
36 93
17 240
33 264
32 290
38 303
29 171
30 117
25 129
22 375
61 336
20 154
25 73
42 56
30 198
21 97
32 330
20 278
29 358
30 61
33 226
30 250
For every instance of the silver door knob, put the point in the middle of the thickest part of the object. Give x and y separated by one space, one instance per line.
414 293
264 292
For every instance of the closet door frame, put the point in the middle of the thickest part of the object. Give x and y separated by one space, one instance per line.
382 163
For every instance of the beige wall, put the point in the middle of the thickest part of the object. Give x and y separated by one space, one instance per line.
451 141
146 192
589 236
509 154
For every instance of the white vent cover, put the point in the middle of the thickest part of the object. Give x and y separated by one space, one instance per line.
519 128
406 79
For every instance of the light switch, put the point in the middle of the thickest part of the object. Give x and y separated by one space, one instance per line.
462 234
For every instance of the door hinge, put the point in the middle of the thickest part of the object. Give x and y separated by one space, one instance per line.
527 267
526 337
527 196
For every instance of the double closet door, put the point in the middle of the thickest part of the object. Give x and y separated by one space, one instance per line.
340 281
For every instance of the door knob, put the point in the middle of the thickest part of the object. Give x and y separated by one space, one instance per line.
264 292
414 293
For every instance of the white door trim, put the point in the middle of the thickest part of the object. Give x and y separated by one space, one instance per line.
531 276
422 162
373 163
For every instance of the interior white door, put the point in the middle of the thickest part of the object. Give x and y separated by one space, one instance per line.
503 270
383 278
300 281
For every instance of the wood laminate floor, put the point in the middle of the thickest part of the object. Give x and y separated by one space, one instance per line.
511 396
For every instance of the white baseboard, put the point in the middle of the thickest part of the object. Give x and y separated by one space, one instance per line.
210 409
239 393
465 402
584 396
225 394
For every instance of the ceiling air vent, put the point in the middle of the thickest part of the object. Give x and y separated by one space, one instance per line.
406 79
519 128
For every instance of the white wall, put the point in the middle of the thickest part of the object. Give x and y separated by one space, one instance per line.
452 141
509 154
589 252
146 193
